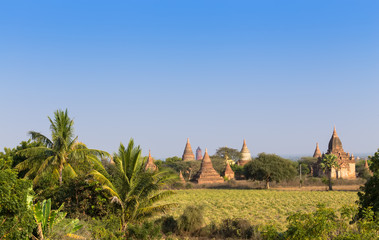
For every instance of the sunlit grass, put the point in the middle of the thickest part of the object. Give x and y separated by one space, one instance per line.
257 206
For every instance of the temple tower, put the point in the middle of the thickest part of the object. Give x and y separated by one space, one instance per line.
199 154
345 160
245 155
188 153
150 165
181 177
207 174
229 172
317 153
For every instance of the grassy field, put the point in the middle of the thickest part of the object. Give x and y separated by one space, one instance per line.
257 206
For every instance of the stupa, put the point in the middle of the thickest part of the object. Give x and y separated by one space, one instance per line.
229 172
199 154
345 160
207 174
317 152
181 177
188 153
245 155
150 165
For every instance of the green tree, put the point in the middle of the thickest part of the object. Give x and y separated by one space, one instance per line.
57 154
328 163
369 195
269 168
306 164
16 218
230 152
136 191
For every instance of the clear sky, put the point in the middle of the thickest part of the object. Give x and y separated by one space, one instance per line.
278 73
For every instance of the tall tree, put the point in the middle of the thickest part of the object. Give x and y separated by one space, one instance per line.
232 153
369 197
58 153
328 163
270 168
136 191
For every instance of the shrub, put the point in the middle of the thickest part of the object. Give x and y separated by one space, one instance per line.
191 220
236 228
144 231
169 225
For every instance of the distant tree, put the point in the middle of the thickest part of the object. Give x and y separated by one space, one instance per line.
328 163
232 153
59 153
173 159
361 169
369 195
270 168
306 164
135 190
218 163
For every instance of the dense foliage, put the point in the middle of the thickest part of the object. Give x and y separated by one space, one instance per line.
270 168
16 218
60 153
135 190
369 197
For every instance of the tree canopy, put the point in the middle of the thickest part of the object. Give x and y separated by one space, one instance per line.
58 154
269 168
232 153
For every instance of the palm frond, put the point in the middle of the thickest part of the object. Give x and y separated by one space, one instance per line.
41 138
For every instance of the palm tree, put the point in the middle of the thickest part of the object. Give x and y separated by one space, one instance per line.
136 191
58 153
328 163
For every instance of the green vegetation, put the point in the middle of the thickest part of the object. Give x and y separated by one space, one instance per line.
270 168
59 189
58 154
135 190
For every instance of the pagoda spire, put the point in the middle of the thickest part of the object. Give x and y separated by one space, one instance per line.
335 144
317 152
245 154
150 165
207 174
188 153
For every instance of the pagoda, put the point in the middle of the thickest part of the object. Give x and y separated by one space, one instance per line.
245 155
207 174
229 172
199 154
181 178
188 153
317 153
150 165
345 160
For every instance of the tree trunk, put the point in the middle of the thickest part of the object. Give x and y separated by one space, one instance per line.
267 185
330 180
60 175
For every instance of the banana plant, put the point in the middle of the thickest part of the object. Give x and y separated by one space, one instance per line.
46 219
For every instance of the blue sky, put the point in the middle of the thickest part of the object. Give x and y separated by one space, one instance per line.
278 73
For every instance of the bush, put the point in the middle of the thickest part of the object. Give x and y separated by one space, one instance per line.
145 231
169 225
106 229
236 228
191 220
81 197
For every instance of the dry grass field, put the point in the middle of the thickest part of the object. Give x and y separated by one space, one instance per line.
257 206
